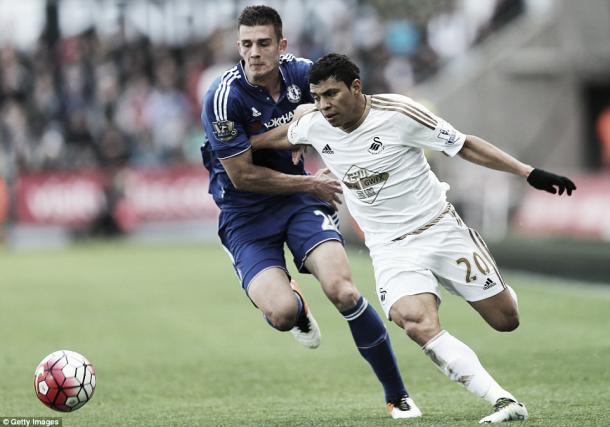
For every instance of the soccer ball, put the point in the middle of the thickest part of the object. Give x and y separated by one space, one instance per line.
64 380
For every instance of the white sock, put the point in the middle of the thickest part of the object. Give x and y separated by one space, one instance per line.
456 360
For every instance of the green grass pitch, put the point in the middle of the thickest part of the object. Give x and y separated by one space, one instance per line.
175 342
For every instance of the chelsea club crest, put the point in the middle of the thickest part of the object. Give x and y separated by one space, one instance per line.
293 93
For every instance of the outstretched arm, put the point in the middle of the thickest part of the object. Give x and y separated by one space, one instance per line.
481 152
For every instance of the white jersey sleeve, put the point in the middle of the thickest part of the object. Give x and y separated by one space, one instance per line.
298 131
420 128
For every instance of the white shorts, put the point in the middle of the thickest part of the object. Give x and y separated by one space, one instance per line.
444 252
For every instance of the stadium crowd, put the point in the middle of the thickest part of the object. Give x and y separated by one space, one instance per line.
90 101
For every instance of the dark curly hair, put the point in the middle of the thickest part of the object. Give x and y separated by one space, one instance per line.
334 65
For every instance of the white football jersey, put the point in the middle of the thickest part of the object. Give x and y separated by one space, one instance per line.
388 186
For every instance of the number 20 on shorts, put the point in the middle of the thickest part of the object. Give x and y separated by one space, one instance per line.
479 262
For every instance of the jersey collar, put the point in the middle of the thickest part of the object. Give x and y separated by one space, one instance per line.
367 108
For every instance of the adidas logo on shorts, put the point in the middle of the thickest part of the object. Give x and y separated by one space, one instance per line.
488 284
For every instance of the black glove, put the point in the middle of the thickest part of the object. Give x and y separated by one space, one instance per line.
543 180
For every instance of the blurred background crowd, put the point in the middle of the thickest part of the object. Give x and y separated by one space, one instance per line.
129 94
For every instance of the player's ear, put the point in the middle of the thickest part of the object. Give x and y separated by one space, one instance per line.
283 45
356 87
238 42
239 52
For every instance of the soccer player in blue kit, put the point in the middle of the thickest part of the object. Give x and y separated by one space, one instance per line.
266 201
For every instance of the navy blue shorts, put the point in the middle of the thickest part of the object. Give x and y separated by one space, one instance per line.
256 242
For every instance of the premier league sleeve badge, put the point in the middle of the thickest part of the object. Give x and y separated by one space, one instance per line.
224 130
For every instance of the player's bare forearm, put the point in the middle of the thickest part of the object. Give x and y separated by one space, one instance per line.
274 139
246 176
481 152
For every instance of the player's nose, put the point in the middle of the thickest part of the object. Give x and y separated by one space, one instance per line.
254 50
323 104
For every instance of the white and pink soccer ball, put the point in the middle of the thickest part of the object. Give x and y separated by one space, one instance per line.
64 380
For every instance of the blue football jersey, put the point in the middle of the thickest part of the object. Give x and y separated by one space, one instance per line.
234 110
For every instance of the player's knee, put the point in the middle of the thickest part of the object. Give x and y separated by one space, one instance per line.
281 323
281 318
342 293
508 322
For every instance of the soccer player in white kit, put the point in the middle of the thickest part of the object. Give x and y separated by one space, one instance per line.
418 243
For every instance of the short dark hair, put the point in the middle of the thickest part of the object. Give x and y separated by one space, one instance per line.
261 15
334 65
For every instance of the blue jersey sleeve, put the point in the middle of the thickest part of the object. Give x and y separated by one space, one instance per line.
222 122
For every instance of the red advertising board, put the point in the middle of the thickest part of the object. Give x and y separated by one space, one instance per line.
59 198
584 214
77 198
178 193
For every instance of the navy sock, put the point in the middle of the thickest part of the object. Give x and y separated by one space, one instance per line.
300 308
374 345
